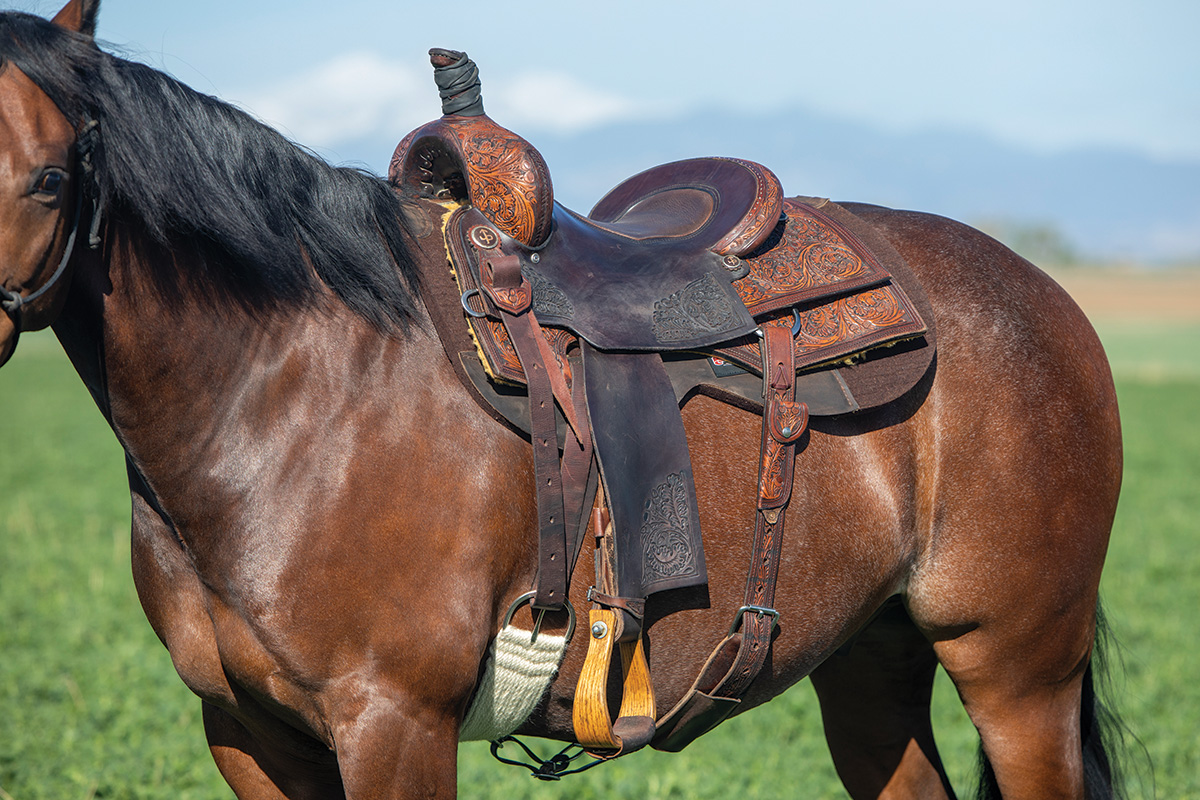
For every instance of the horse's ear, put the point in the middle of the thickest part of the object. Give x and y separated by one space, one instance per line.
79 16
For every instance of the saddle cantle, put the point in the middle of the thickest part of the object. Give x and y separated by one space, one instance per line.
589 332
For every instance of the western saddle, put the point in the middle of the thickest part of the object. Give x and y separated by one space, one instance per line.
695 276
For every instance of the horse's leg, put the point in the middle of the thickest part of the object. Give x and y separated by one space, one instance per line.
173 600
395 749
1020 448
256 771
875 706
1022 688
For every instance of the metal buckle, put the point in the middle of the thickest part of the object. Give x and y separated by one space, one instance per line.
467 295
537 625
759 610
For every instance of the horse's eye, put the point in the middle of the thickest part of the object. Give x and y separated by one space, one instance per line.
50 183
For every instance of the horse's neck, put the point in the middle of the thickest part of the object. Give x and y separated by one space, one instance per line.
209 398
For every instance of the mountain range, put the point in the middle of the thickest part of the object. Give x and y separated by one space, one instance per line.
1087 205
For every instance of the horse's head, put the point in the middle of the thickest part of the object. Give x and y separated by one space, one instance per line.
40 192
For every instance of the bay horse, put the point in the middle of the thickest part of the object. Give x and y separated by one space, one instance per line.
327 532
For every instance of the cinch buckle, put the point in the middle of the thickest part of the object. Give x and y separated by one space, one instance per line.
760 610
527 597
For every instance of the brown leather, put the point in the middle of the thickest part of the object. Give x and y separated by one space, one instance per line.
679 212
647 472
698 715
472 159
808 256
552 578
702 708
826 266
652 294
630 605
742 208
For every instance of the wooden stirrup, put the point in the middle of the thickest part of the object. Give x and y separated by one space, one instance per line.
594 728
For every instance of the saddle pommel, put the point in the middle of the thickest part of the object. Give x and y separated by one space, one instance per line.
465 156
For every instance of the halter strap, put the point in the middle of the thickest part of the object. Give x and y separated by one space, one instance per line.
12 302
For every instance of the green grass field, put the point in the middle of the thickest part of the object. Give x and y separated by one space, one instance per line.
90 706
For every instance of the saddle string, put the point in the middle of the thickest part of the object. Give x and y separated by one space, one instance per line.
545 769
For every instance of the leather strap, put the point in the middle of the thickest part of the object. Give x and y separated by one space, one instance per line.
580 476
612 622
552 531
738 659
512 295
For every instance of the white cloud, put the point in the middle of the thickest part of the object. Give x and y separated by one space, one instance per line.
348 97
361 94
554 101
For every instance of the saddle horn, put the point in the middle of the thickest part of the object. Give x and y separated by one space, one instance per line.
510 185
457 79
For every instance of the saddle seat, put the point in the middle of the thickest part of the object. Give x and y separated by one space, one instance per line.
725 205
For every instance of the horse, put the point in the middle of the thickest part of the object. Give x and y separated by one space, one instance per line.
327 533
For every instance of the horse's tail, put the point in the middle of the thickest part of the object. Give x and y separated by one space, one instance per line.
1103 735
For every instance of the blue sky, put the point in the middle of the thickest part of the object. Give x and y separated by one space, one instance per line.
1046 75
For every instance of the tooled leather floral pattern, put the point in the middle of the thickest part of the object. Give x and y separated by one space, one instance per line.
807 254
508 180
503 356
699 308
666 537
840 328
773 483
847 319
506 177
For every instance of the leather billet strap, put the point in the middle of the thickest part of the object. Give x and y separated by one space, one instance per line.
738 659
511 294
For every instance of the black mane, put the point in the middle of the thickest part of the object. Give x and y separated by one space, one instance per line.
198 173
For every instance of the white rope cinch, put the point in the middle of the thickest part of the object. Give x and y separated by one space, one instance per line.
519 669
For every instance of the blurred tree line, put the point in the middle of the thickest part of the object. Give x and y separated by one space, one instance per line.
1040 242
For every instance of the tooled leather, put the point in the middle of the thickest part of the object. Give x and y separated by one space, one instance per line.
781 411
506 177
828 331
808 256
840 328
762 218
